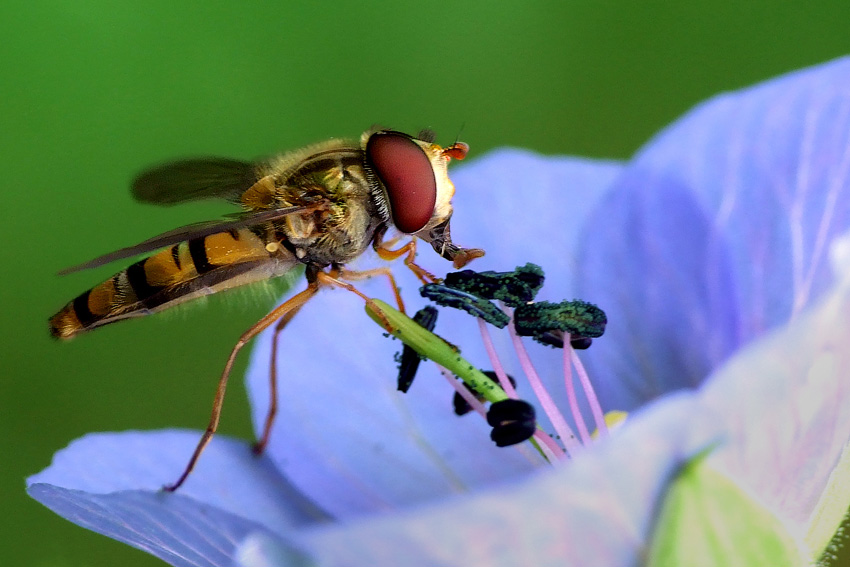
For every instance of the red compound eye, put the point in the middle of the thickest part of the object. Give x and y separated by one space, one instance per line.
406 172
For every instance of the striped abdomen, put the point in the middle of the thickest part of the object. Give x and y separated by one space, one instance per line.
187 270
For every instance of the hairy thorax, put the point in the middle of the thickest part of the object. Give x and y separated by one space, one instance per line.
343 222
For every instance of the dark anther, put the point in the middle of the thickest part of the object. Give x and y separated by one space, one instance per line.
551 338
546 322
556 339
512 288
472 304
512 421
410 359
460 405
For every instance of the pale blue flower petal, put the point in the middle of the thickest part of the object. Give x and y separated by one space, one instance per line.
666 324
786 402
523 207
180 530
771 166
260 550
719 230
599 510
111 483
344 434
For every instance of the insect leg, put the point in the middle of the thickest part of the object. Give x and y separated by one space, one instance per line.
294 303
356 275
330 279
261 443
409 251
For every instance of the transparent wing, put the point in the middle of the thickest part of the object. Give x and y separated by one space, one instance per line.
193 179
190 231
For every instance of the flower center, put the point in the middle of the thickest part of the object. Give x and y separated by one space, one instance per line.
568 325
569 442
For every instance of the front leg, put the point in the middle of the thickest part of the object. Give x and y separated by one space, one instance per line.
409 252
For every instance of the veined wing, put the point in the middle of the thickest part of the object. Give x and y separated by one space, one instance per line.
193 179
190 231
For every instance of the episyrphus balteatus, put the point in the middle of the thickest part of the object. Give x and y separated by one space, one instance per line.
320 206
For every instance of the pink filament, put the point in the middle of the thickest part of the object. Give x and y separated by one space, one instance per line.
464 392
571 393
558 422
589 393
550 449
504 382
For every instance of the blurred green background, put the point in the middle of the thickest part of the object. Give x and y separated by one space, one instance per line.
94 91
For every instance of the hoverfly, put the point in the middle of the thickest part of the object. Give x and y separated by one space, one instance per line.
320 206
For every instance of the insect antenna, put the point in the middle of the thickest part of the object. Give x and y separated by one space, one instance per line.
459 132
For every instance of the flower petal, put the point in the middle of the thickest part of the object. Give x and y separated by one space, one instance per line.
786 400
344 434
180 530
522 207
719 231
599 510
260 550
112 484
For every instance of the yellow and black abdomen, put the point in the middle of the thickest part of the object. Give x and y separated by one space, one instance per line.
187 270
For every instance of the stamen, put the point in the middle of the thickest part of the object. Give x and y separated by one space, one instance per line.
513 421
545 444
471 303
504 382
571 393
549 447
590 394
558 422
409 360
568 325
461 407
464 392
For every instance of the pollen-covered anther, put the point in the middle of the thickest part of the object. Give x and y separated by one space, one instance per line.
547 322
410 359
513 422
511 288
474 305
555 338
